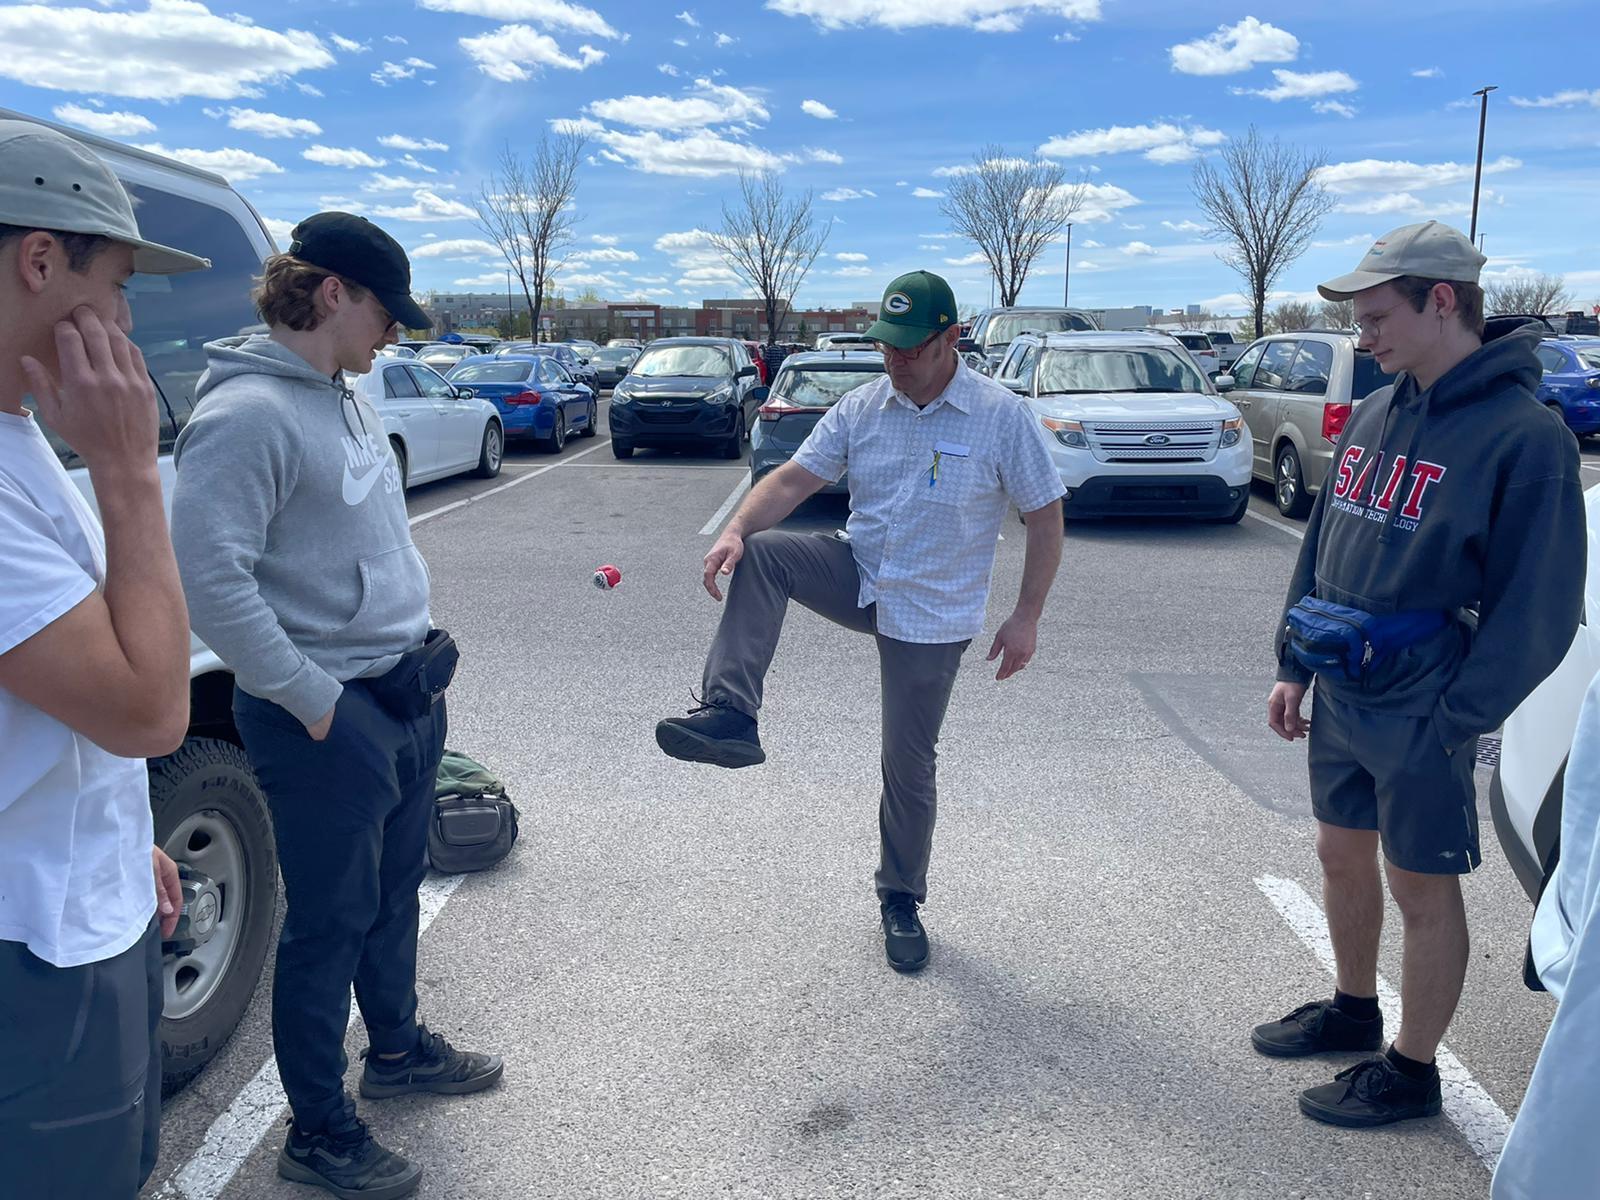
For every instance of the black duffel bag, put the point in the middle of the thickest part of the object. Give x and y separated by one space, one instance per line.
474 822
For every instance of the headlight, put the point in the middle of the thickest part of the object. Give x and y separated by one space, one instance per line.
1232 431
1068 433
723 395
621 397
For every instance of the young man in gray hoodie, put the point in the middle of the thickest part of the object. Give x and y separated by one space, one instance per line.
1451 536
290 527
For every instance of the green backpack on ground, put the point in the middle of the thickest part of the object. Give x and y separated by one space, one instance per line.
474 822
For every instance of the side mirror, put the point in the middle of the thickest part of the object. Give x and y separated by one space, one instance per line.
745 372
465 393
583 362
1019 386
967 345
759 394
1225 383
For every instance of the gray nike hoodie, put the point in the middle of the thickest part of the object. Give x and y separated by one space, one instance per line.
290 528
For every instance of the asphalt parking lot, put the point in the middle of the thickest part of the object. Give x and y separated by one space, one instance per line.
682 965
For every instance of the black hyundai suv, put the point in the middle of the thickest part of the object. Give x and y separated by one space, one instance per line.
687 391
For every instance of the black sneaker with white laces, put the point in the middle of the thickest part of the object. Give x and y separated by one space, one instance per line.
905 941
348 1162
712 733
434 1066
1317 1028
1373 1092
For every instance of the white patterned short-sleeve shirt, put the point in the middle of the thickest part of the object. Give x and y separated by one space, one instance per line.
929 488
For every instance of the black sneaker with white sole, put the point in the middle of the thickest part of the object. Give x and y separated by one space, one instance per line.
348 1162
905 941
1371 1093
712 733
434 1066
1317 1028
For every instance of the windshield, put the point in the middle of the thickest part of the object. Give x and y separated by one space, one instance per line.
1589 356
808 387
440 353
1368 377
621 355
1141 370
1195 341
495 372
1221 339
1003 328
699 361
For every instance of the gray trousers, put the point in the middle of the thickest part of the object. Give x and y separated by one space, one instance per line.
820 572
80 1073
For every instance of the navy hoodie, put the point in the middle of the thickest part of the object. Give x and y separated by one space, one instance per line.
1464 497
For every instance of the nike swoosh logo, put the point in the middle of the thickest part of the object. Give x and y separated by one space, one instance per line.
357 487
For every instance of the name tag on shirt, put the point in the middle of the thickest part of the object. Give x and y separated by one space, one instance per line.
953 449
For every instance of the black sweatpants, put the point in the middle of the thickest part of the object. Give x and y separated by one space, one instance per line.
351 815
80 1073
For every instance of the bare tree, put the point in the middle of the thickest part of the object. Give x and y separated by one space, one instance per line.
1339 314
1533 294
1290 316
1263 200
526 209
770 239
1200 320
1011 209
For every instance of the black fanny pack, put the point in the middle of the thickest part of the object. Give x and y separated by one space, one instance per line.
417 682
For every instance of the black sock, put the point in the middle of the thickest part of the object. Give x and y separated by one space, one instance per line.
1360 1008
1410 1067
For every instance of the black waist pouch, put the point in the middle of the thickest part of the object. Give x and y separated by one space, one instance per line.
417 682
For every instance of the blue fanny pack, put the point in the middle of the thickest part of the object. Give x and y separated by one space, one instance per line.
1334 639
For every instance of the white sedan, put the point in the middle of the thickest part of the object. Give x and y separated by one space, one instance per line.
435 428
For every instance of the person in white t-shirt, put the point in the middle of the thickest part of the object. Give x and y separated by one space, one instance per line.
94 677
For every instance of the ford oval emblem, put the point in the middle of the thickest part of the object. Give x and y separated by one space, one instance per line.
1157 439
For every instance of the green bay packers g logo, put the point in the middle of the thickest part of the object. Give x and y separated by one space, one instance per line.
897 303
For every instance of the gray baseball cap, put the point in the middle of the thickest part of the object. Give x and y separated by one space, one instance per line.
1430 250
51 181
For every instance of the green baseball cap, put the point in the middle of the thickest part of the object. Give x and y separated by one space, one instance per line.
914 308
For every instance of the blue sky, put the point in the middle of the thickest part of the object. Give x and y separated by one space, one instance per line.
398 110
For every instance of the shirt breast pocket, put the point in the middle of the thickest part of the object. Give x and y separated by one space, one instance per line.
957 481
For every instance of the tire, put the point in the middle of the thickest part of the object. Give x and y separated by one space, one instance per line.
558 436
211 816
492 452
621 449
593 427
1289 483
400 462
734 448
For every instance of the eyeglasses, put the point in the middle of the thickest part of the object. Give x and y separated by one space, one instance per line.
1372 325
911 355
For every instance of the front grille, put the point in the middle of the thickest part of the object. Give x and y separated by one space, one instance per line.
1133 493
1125 441
666 416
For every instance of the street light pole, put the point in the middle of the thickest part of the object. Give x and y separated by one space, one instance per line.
511 315
1477 175
1066 284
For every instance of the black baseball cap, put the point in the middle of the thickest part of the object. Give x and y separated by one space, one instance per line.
356 249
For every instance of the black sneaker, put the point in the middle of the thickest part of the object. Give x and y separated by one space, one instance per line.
1373 1092
712 733
905 941
347 1162
1317 1028
434 1066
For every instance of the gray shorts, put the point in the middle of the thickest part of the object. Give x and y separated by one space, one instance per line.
80 1084
1392 773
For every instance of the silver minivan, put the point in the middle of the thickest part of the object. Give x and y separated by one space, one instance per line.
1296 391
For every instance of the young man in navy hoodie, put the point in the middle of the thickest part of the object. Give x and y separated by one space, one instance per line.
1451 532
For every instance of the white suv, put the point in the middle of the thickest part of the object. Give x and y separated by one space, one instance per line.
1132 424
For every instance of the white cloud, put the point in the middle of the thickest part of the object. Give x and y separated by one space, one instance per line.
929 246
457 248
549 14
708 104
394 72
817 109
850 257
723 39
1302 85
281 231
650 279
855 272
236 166
1386 175
607 254
668 69
1091 244
337 156
1162 142
604 239
824 156
923 193
1336 107
699 277
515 53
1101 201
1235 48
975 259
688 19
847 193
417 164
987 16
107 124
968 168
396 39
172 49
427 206
399 141
393 183
490 279
1235 302
307 89
1180 227
1355 239
1139 249
1428 73
271 125
1403 204
348 45
1566 99
699 155
585 279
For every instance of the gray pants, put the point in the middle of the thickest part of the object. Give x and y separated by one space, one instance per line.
80 1085
820 572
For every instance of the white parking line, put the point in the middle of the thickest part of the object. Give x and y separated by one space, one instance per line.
1473 1110
505 487
260 1104
1298 534
734 496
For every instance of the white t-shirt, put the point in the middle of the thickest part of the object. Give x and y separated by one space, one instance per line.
75 831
